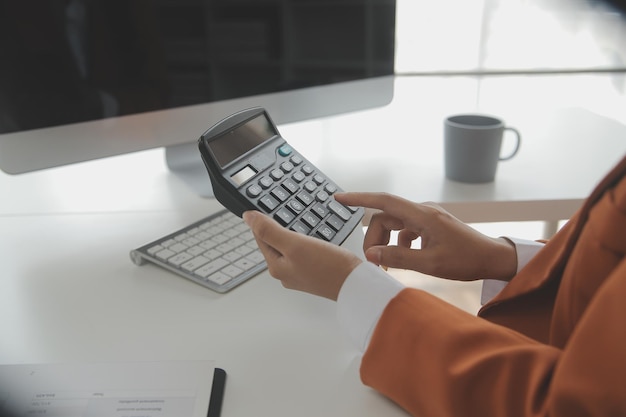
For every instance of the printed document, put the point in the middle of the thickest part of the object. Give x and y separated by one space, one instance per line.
120 389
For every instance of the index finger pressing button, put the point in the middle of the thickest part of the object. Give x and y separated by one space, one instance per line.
339 209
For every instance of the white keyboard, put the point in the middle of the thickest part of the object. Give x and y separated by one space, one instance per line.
218 252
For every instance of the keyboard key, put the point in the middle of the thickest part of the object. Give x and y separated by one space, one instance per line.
196 250
211 267
219 278
231 256
154 249
195 263
179 258
165 254
243 250
256 257
244 264
232 271
178 247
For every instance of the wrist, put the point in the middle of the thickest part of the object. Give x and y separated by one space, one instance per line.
504 260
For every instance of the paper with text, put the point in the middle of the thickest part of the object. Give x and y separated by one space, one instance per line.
120 389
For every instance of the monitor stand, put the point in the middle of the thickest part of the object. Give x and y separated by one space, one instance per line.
185 162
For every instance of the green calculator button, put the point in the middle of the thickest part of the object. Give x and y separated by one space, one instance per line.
285 150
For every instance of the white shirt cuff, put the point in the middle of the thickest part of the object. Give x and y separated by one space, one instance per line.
362 300
525 250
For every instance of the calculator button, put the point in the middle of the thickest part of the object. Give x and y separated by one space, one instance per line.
268 203
301 228
295 206
280 193
276 174
325 232
310 219
335 222
298 176
305 198
254 191
285 150
318 179
266 182
310 187
339 209
291 186
296 160
320 210
322 196
330 188
287 166
284 216
307 170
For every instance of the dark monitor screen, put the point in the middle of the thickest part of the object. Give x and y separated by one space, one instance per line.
86 72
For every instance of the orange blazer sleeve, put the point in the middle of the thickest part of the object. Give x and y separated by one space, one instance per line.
552 343
436 360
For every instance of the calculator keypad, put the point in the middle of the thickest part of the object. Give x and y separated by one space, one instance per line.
299 197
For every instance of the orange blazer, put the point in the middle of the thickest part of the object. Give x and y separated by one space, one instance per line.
552 343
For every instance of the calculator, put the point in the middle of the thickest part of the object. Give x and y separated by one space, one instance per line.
252 167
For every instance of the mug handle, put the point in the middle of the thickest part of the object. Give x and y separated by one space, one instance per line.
518 142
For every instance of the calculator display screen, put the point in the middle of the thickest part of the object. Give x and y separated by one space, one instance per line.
242 139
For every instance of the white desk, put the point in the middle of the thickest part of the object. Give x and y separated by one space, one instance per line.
70 292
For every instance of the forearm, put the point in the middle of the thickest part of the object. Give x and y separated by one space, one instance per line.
433 359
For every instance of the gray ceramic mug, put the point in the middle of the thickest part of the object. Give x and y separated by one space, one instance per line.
472 144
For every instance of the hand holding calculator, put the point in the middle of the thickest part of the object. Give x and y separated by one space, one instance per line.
252 167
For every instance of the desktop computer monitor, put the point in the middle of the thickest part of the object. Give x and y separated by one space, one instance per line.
87 79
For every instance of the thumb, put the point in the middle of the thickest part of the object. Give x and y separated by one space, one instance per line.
266 230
